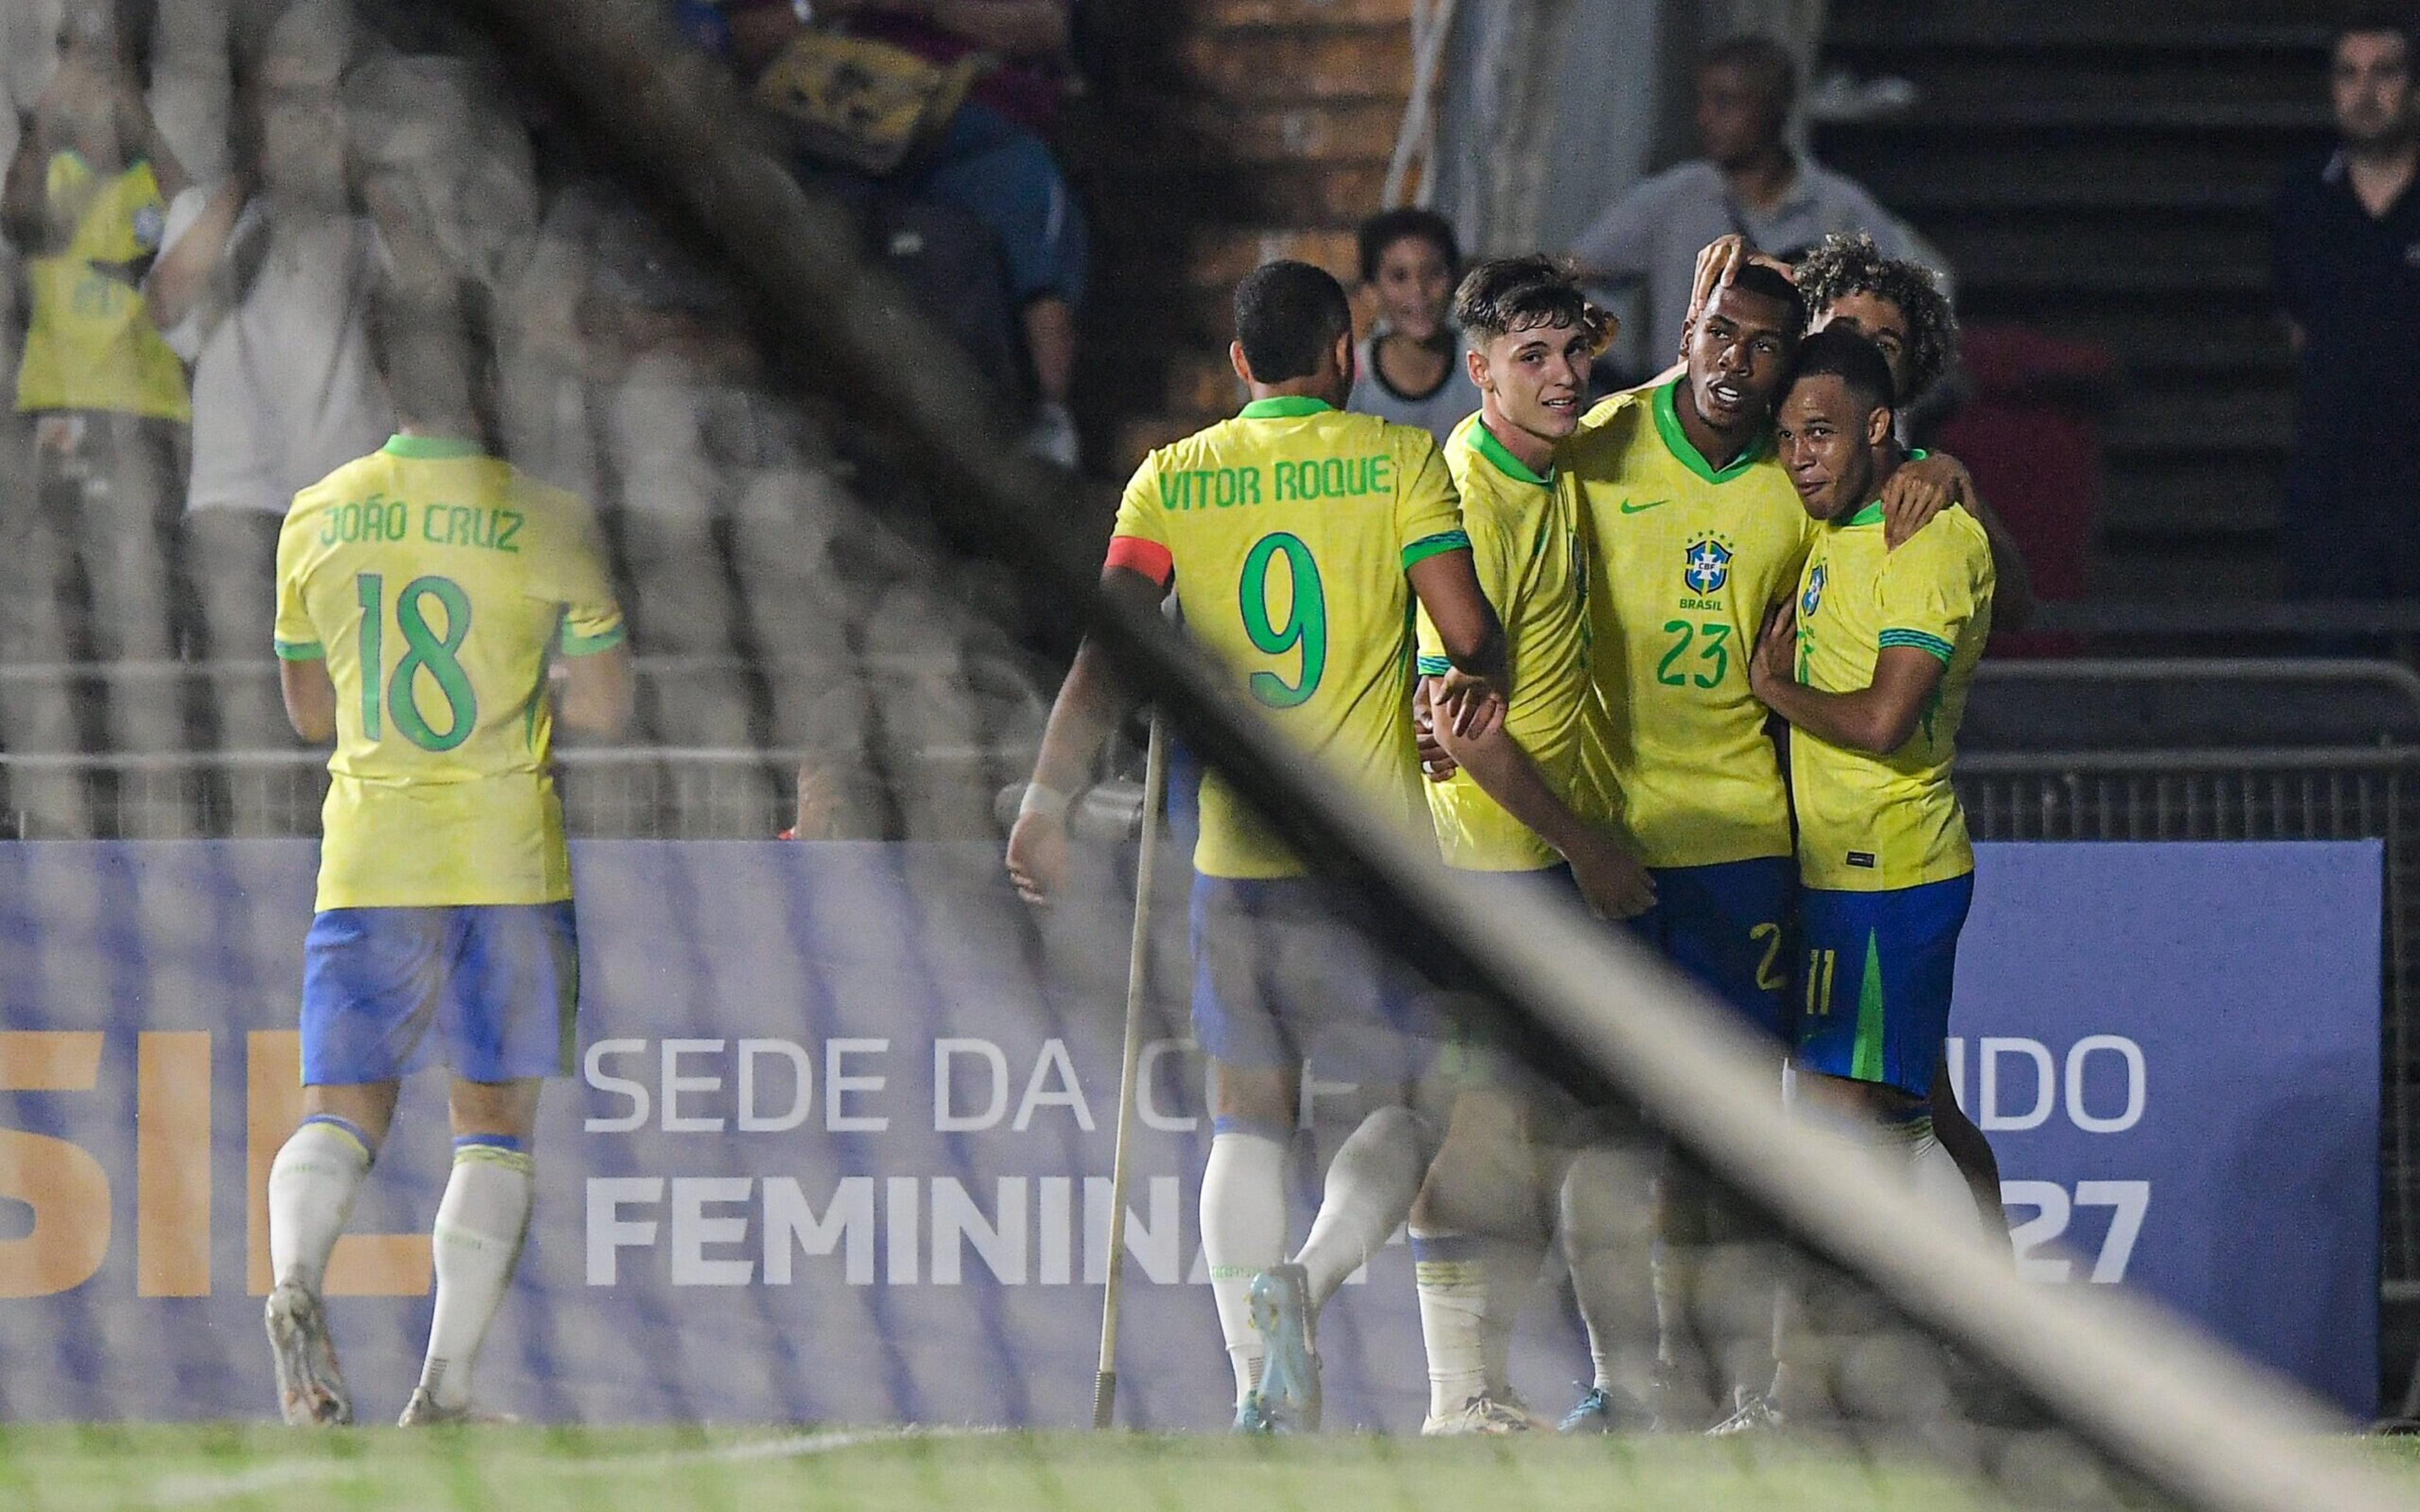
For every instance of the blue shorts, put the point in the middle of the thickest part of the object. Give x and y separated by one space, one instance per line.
1879 969
1723 926
1279 978
498 984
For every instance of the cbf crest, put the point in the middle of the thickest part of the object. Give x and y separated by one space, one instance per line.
1706 566
1814 594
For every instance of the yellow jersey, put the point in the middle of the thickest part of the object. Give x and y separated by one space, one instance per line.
1876 824
437 583
1526 545
1287 531
90 340
1684 561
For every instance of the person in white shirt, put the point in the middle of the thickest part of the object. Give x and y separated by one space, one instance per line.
1411 369
261 285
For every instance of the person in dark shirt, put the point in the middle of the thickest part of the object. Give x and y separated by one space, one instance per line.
2346 263
990 161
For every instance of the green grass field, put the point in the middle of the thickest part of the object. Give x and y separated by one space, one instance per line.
249 1466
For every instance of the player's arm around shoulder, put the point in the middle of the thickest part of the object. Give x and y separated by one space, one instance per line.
1437 564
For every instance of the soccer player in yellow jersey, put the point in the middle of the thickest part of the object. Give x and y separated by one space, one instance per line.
1693 535
423 594
1296 537
1512 809
1871 665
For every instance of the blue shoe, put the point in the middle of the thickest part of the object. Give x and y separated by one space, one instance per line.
1288 1394
1251 1417
1604 1411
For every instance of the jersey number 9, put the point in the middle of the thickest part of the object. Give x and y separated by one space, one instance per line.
425 651
1306 619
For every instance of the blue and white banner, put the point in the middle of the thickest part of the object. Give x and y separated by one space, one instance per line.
838 1144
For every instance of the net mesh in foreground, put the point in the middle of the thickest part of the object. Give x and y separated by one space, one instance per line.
835 1150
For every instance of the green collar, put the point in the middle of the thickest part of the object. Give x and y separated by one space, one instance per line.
1483 441
1676 441
1285 407
429 448
1872 513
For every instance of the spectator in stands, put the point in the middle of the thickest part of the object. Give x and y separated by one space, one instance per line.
261 282
1750 183
1412 369
989 160
85 204
2347 262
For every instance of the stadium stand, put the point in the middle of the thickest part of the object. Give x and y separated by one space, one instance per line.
849 592
2109 181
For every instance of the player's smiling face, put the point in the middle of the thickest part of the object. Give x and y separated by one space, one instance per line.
1823 436
1738 352
1537 377
1878 320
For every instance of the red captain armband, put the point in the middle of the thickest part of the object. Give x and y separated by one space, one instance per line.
1136 554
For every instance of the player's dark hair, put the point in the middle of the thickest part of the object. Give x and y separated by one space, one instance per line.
2371 20
1503 295
1769 284
434 344
1387 227
1769 64
1839 352
1288 315
1846 264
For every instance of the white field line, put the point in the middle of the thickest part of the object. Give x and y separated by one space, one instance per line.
200 1490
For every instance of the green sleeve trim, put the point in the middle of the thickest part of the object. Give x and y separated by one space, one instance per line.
301 651
575 644
1921 641
1438 545
1435 665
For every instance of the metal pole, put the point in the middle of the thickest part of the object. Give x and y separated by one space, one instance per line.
1155 797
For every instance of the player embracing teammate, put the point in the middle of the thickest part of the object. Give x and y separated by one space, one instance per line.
1639 558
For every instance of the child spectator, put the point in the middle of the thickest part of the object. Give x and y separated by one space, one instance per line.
1412 370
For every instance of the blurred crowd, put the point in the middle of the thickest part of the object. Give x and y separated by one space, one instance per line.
204 196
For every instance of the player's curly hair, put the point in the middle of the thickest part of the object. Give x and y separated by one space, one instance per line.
1846 264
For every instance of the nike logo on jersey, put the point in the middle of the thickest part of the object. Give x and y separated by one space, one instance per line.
1629 508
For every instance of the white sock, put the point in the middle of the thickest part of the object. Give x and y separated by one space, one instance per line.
1511 1267
1597 1242
478 1241
1365 1197
312 1185
1451 1278
1939 1182
1243 1233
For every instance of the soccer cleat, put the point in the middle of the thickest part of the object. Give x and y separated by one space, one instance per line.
1481 1416
1754 1412
1251 1417
310 1387
1281 1302
1604 1410
422 1412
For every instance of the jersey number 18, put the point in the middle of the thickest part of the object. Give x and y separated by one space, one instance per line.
425 651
